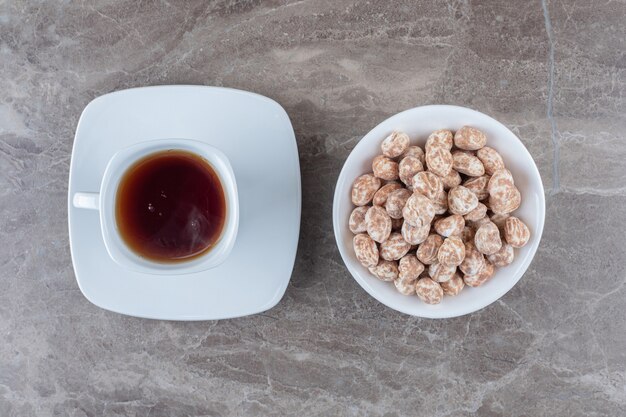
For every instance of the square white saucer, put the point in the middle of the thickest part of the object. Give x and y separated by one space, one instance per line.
256 135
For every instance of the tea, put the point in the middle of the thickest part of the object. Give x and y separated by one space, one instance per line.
170 206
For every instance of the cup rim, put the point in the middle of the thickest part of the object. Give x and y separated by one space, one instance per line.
118 165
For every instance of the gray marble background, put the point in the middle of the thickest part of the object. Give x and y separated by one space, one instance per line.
552 71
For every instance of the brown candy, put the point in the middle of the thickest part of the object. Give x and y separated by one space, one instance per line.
487 239
415 151
467 164
505 202
385 270
500 181
396 201
504 197
461 200
427 251
385 168
439 160
410 267
452 252
477 223
429 291
478 186
503 257
395 144
474 260
440 138
491 159
450 226
366 250
405 286
364 188
394 248
499 220
415 235
378 223
409 166
469 138
451 180
453 286
357 220
418 210
440 203
478 213
479 279
427 184
441 273
516 232
380 197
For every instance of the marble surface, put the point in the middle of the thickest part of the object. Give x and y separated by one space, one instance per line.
553 71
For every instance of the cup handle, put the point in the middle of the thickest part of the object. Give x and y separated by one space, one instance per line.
89 201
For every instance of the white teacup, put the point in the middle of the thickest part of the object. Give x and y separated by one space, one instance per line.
104 201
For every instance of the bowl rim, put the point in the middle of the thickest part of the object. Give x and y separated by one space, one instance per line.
437 314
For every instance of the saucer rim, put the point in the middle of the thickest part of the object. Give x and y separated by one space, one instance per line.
280 289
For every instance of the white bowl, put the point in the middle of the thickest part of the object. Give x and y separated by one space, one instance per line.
418 123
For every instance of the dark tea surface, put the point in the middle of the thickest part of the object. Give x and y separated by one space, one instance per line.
170 206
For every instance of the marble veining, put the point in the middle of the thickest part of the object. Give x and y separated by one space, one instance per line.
554 71
550 101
